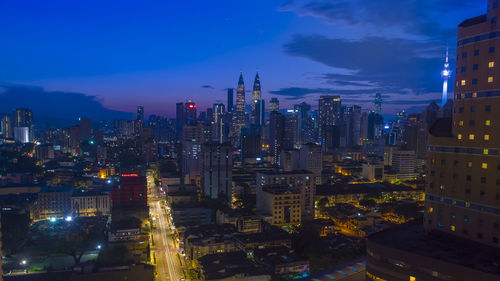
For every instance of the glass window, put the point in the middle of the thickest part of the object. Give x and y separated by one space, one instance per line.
484 165
486 137
464 68
492 49
475 66
472 136
462 82
474 81
464 55
472 109
491 64
487 122
490 79
459 136
476 52
460 123
472 123
487 108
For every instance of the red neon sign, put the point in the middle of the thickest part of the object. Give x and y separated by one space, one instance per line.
130 175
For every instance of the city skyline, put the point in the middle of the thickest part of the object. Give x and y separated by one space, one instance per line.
140 67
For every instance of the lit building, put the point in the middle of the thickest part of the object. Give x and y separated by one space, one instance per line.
88 203
52 202
282 203
274 105
329 116
290 159
239 112
259 112
218 123
257 97
276 135
85 130
304 181
251 144
460 237
217 170
179 118
6 127
190 113
132 191
311 159
24 125
192 139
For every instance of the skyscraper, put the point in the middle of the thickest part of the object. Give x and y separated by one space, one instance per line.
230 99
219 124
24 125
329 113
462 199
140 114
85 129
256 96
179 119
6 127
258 112
445 74
378 103
190 113
274 105
239 113
217 170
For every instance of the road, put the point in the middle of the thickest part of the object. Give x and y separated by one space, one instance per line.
167 262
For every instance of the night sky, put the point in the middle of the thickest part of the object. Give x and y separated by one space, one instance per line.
126 53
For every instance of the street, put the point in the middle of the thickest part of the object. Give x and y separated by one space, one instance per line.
168 264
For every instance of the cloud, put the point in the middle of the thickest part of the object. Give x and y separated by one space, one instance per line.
207 87
55 104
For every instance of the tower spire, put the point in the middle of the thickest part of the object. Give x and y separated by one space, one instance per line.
445 74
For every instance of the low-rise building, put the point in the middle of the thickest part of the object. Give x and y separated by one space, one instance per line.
230 267
283 203
87 203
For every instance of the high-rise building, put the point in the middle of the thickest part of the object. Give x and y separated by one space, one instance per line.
311 159
329 114
230 99
85 129
239 112
179 118
462 199
190 116
218 130
140 114
378 103
258 112
193 137
251 144
217 170
6 127
352 123
24 125
256 97
274 105
276 135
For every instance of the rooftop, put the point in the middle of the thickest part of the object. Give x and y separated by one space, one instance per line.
440 246
473 21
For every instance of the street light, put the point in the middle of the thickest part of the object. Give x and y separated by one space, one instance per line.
52 219
23 262
99 247
68 218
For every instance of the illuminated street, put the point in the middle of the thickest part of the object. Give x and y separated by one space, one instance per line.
167 258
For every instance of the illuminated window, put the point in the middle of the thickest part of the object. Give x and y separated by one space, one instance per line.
469 164
463 83
460 123
486 137
491 64
412 278
452 228
472 137
490 79
459 136
487 122
431 210
484 165
485 151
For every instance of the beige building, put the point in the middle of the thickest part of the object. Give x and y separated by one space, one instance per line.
463 188
282 203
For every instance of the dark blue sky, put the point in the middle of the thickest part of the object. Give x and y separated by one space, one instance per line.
129 53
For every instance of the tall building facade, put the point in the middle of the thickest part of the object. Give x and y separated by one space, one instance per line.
24 125
239 112
462 191
329 114
190 117
230 99
132 191
378 103
217 170
179 119
256 98
218 130
6 127
274 105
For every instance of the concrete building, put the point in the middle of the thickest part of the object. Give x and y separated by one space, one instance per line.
217 167
52 203
301 180
89 203
282 203
290 160
373 171
311 159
